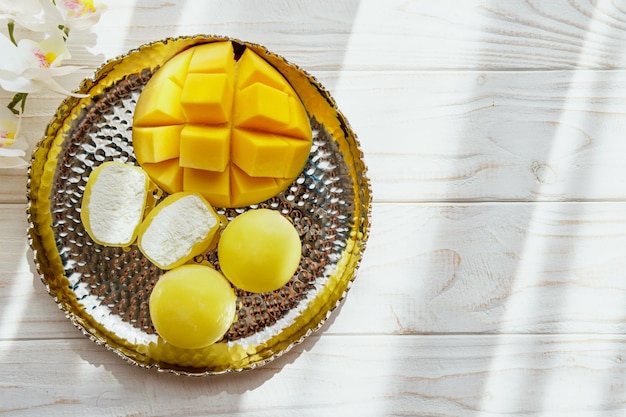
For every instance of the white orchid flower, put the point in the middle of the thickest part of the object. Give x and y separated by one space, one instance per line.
12 146
33 66
80 14
34 15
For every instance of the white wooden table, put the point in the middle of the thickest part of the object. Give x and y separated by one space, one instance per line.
494 282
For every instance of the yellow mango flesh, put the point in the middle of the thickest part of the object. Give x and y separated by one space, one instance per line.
259 251
157 143
233 130
192 306
194 138
182 226
166 174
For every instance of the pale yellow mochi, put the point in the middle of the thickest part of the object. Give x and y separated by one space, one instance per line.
259 251
182 226
192 306
156 143
220 100
196 140
113 205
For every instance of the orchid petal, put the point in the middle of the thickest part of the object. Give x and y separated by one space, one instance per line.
11 59
35 15
80 14
12 147
47 53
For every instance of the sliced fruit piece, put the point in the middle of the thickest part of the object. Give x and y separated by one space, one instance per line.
260 154
205 147
207 98
159 105
156 143
262 108
166 174
228 105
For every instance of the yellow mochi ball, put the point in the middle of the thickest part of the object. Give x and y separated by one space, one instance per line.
192 306
231 129
259 251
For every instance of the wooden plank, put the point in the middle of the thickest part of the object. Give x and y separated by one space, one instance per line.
372 35
471 136
428 268
491 267
481 136
13 185
332 375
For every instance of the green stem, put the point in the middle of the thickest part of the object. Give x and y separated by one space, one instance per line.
11 26
18 98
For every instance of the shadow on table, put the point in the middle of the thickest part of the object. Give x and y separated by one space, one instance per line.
513 266
141 381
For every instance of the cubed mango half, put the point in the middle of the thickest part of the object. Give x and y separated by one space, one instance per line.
241 132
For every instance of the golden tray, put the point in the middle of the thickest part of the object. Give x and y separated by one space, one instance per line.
104 291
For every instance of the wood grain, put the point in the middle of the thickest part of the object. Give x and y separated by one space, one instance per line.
395 375
390 35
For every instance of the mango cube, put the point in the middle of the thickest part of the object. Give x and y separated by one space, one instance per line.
298 126
176 71
298 155
260 154
244 188
205 147
164 105
207 98
216 57
213 185
265 108
254 69
157 143
166 174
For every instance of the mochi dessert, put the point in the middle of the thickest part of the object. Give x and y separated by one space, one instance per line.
182 226
259 251
192 306
114 202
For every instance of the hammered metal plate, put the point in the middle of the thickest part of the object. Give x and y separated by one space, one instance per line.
104 290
